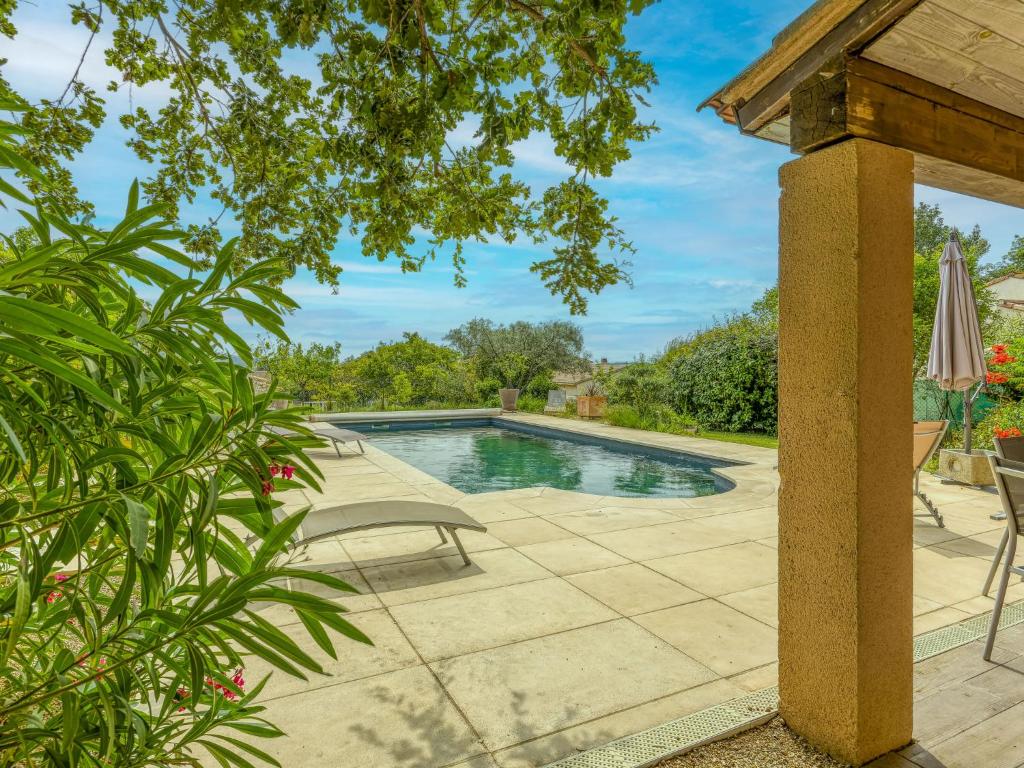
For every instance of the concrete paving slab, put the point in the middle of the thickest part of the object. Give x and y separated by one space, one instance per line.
574 555
390 651
528 530
518 692
722 570
401 583
633 589
400 718
719 637
460 624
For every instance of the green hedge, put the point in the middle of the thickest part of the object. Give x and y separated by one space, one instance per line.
727 377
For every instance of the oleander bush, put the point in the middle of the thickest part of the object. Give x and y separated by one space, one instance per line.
134 464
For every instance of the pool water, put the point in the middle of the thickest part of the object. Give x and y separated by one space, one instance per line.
490 458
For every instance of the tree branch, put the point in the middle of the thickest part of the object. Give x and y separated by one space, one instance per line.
578 49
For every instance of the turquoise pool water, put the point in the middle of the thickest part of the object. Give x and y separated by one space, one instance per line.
492 458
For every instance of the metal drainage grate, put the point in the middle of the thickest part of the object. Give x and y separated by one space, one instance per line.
947 638
655 744
650 747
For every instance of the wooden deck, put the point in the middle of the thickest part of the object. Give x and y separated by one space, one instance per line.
968 713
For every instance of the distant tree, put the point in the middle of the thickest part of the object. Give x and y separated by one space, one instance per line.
412 371
518 353
306 373
766 308
1011 263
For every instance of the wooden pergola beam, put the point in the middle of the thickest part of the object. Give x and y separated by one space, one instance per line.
851 35
959 143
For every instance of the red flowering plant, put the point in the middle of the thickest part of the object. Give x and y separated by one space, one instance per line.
1005 376
134 454
1005 382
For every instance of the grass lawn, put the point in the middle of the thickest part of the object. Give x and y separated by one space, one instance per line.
747 438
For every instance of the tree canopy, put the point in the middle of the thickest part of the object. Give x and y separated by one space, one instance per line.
517 353
304 372
394 121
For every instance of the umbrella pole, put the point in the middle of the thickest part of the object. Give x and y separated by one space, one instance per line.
968 402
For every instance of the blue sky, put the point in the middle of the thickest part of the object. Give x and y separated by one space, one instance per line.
698 200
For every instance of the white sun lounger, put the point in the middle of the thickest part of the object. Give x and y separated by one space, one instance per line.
328 522
336 435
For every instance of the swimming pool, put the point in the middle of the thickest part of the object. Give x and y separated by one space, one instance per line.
494 456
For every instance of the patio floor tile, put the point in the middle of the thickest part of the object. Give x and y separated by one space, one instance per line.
401 718
413 544
528 530
589 521
604 729
518 692
761 603
554 504
632 589
669 539
401 583
716 635
451 626
722 570
943 617
947 577
484 508
390 651
282 615
573 555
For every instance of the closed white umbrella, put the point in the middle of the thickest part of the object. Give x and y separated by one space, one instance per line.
956 359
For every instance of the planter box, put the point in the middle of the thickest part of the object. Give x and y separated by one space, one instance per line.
972 469
591 407
508 399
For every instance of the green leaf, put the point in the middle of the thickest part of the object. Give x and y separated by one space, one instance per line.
138 524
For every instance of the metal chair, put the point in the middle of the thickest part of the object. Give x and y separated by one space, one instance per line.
1011 448
927 437
1009 479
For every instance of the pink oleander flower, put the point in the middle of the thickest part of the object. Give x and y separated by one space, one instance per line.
287 471
275 470
267 487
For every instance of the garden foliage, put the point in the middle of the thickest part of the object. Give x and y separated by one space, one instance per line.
394 121
134 465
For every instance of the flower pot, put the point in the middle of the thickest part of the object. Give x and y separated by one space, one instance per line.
591 406
508 399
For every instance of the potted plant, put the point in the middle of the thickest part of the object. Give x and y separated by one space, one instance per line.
512 368
592 403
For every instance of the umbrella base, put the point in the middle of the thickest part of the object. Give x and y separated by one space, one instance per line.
968 468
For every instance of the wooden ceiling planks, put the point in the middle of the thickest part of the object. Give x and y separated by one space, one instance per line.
1003 16
945 48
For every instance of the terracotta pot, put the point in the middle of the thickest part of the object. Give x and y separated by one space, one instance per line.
508 399
591 406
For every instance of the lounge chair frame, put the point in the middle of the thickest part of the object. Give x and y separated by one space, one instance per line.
328 522
937 430
1011 448
1002 469
336 435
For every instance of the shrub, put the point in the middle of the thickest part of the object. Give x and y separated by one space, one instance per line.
135 463
657 419
1005 417
727 377
644 386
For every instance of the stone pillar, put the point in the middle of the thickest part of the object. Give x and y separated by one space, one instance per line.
846 240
